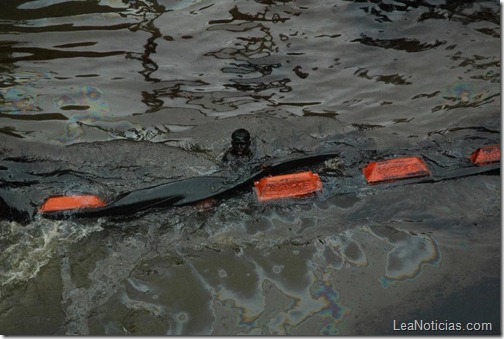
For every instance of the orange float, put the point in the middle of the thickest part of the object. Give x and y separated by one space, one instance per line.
486 155
394 169
287 186
62 203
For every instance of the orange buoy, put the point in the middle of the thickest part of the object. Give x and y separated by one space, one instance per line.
61 203
288 185
393 169
486 155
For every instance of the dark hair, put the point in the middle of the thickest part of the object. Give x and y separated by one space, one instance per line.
241 134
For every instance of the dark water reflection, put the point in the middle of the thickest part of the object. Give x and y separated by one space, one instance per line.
109 96
226 59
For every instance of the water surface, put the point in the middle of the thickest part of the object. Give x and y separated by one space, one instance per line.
109 96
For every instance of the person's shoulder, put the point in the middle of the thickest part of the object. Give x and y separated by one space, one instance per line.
228 156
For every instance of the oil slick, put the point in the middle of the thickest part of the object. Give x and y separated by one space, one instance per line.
241 289
409 253
79 107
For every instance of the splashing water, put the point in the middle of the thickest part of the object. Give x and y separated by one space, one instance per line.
32 246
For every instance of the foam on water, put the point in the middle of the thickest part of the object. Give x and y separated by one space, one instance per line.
31 246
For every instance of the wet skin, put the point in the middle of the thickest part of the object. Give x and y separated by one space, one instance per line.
240 146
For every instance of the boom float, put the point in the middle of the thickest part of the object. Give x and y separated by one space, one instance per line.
486 155
393 169
288 185
272 182
174 194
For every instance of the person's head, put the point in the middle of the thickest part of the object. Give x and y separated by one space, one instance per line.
240 141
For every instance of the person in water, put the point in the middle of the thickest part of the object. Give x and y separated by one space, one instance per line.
240 146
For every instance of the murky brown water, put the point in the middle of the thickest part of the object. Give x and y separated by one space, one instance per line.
110 96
